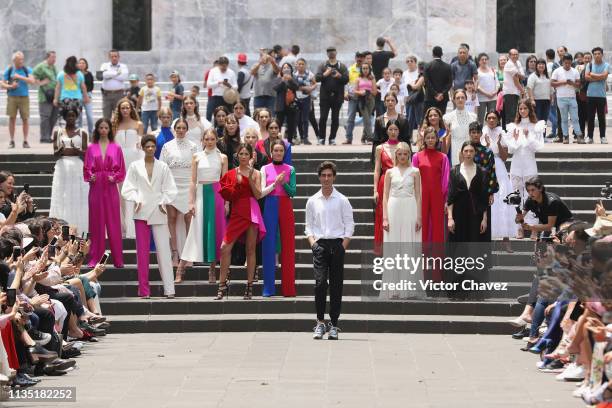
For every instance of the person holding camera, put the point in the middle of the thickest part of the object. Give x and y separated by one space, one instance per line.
366 91
286 106
333 75
264 72
21 203
306 85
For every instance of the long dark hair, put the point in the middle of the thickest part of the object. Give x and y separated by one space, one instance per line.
541 61
70 67
96 133
227 138
86 64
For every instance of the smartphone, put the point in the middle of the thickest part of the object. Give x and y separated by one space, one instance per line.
83 236
72 237
51 251
26 188
65 232
53 241
11 297
104 259
16 252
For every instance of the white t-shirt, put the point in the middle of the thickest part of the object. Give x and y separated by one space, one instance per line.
560 74
215 76
510 70
540 85
471 104
409 77
384 86
149 98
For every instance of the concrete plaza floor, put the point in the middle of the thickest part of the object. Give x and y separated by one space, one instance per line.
292 370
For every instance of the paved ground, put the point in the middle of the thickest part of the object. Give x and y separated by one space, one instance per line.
292 370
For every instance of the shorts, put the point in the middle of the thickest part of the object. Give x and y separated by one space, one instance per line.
15 103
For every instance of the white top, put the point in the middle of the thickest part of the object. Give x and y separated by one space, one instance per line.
159 190
177 153
560 74
402 185
384 87
540 85
150 98
288 59
196 132
329 218
471 103
246 122
459 122
129 140
75 141
523 149
215 76
487 80
209 166
510 70
494 135
409 77
114 76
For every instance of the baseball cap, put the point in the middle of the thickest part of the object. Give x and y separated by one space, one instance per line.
174 73
242 58
331 49
133 77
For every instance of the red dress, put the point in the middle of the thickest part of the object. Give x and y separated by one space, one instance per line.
386 163
244 207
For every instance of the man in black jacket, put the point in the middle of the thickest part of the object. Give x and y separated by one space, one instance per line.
332 75
438 81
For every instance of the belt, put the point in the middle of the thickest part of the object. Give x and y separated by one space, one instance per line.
330 240
116 91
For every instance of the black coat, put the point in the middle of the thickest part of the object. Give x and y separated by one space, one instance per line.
469 205
332 88
438 79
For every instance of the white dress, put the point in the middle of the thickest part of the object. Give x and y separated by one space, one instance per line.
459 121
195 133
69 192
129 140
502 214
246 122
402 237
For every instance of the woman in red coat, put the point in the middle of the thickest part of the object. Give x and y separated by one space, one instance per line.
241 187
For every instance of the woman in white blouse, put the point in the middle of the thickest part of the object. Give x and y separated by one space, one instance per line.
540 90
177 154
457 125
525 138
150 186
487 87
197 124
244 121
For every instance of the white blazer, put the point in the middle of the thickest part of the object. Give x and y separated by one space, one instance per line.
160 190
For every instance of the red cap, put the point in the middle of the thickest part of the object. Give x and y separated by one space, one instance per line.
242 58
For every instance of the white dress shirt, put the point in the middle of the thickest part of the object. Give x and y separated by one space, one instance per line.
215 76
329 218
113 76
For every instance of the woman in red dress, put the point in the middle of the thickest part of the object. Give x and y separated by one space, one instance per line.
241 187
383 161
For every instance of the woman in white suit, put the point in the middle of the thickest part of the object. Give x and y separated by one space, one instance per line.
149 184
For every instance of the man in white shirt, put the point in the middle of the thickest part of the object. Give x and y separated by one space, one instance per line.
291 58
220 79
566 80
114 74
329 228
513 89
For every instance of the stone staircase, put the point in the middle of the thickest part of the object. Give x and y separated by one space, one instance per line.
576 177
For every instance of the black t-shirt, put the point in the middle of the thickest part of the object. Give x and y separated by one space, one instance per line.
552 205
380 61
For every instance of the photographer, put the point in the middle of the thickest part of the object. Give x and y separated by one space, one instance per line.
333 75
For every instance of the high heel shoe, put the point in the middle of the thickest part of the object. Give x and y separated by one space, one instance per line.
180 272
223 291
248 292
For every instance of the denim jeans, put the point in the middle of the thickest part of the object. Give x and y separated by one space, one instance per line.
569 106
353 107
303 115
264 101
89 114
538 316
149 117
552 117
366 107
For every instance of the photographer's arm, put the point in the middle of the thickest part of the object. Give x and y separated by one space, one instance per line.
552 219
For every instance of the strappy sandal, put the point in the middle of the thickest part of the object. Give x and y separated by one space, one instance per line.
248 292
223 291
180 272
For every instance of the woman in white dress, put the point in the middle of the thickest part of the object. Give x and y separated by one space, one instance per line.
244 121
525 138
128 130
207 207
178 154
69 192
502 214
458 125
197 124
402 221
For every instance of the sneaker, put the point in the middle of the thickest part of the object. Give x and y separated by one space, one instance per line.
573 372
306 142
26 145
590 140
566 140
581 140
321 142
347 142
296 141
521 334
604 141
558 140
319 331
555 366
580 391
333 333
332 142
12 144
39 337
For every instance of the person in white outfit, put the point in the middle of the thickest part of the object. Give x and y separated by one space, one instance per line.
196 123
458 125
150 186
525 138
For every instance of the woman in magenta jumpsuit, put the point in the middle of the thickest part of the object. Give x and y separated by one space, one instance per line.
104 169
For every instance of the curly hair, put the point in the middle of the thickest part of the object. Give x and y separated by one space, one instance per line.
117 113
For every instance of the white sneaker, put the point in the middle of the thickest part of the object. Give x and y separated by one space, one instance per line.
578 392
573 372
319 331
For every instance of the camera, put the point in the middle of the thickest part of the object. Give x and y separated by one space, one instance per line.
514 199
606 191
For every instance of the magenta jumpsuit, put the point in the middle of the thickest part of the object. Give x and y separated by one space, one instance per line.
104 203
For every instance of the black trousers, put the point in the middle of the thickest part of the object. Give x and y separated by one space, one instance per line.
433 103
46 321
597 106
583 114
312 119
328 264
510 107
290 116
326 105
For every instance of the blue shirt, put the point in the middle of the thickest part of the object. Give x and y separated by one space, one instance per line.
597 89
176 105
69 88
22 88
165 135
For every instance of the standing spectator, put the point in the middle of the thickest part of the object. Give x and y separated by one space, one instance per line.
278 52
306 85
329 228
540 91
89 86
487 87
353 101
463 69
292 57
553 115
175 96
438 81
581 95
413 80
114 74
220 79
264 72
513 89
566 80
333 75
597 75
46 74
384 85
530 68
244 83
467 47
366 92
70 86
380 57
149 102
209 111
286 105
471 102
16 79
134 90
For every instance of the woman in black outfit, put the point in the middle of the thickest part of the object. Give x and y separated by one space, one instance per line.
286 104
89 84
231 140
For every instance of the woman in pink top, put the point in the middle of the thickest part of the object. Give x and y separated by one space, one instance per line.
366 91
